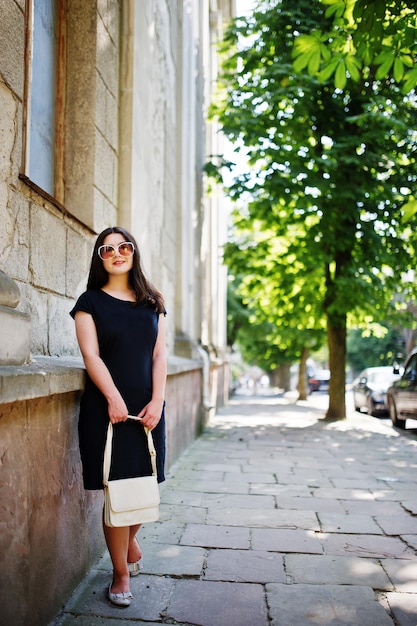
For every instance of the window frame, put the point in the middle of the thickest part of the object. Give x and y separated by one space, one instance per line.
58 195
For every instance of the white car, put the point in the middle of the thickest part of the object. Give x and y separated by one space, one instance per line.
370 389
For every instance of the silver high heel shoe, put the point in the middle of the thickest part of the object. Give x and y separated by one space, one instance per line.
121 599
134 568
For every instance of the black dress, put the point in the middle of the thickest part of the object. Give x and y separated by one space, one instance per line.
126 334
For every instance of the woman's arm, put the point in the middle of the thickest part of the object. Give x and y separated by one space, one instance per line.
152 412
97 370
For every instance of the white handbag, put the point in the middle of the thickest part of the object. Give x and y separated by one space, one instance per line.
130 501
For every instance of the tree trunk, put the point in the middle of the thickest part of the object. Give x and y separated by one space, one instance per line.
302 375
281 377
336 336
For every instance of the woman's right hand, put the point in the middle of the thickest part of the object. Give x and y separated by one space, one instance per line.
117 410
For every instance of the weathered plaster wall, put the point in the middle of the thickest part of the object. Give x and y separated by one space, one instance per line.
50 528
44 510
133 80
42 248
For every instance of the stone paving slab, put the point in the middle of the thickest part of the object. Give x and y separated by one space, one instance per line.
344 494
286 540
397 524
212 487
410 540
175 560
263 518
371 507
334 523
151 595
339 570
410 506
404 608
181 513
216 536
310 504
251 501
166 532
305 605
373 546
403 574
294 491
245 566
275 517
206 603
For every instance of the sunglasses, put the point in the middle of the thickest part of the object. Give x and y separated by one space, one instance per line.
126 248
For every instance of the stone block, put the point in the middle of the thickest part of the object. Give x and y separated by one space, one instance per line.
101 105
79 255
48 250
15 337
44 376
107 59
104 175
22 383
12 43
38 309
9 291
61 327
7 121
14 234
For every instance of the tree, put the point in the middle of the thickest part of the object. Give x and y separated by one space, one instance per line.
365 38
336 164
280 294
374 346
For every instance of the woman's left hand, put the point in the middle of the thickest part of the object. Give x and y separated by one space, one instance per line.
151 414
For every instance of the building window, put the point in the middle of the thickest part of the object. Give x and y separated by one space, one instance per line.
44 89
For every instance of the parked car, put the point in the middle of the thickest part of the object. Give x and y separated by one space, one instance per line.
370 389
402 394
319 380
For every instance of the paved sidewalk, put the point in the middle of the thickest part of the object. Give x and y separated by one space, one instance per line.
275 517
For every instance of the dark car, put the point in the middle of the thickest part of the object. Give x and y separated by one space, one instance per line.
319 381
370 389
402 394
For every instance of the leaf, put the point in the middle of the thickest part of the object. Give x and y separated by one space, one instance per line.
410 81
337 7
383 70
314 62
301 62
352 68
340 78
409 210
306 43
328 70
407 60
398 69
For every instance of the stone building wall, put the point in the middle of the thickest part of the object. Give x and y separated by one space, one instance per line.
129 146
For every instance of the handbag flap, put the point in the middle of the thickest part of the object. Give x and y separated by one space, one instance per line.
130 494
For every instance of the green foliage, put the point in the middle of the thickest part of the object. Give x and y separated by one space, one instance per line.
273 310
372 349
364 39
320 232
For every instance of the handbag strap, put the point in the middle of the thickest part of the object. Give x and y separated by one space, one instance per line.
108 450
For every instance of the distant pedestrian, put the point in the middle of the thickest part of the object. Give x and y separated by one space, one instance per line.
120 329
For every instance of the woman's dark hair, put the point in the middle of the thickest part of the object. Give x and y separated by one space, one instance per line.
143 289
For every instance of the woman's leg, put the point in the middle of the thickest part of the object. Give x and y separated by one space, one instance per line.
117 540
134 553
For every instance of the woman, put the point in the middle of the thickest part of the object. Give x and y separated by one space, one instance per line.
120 329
